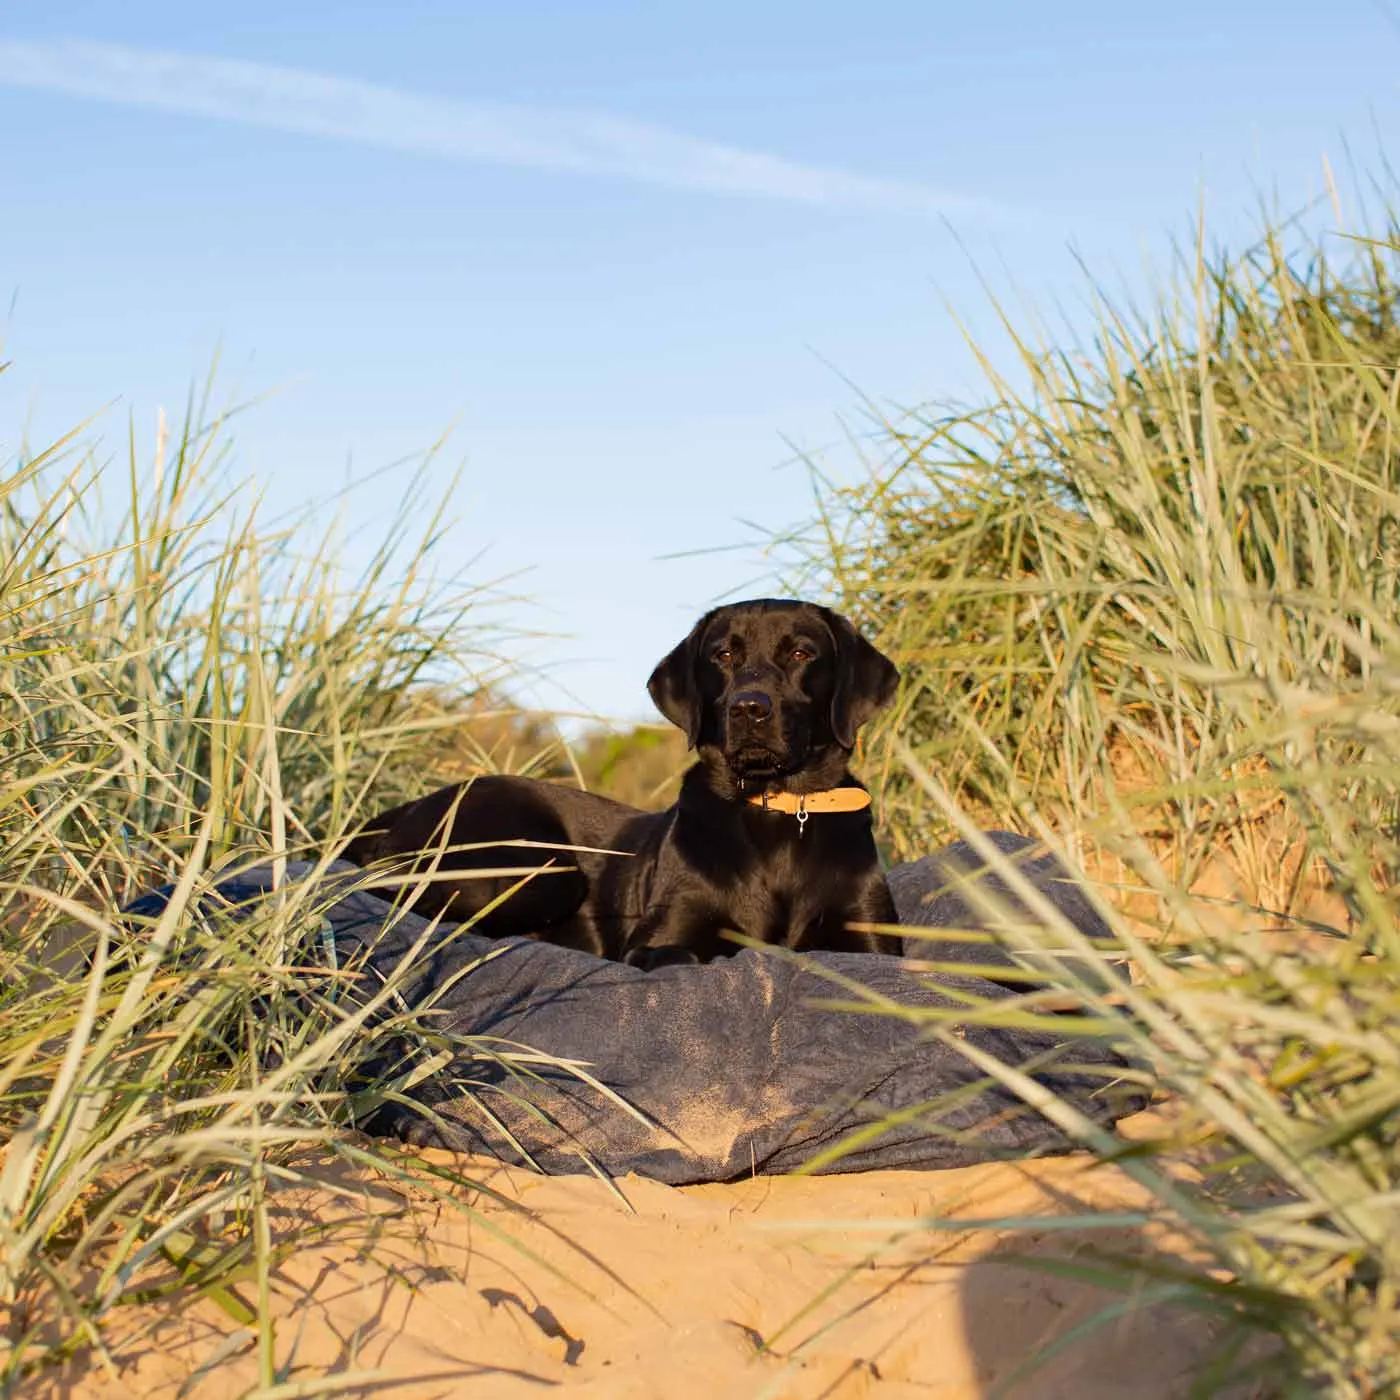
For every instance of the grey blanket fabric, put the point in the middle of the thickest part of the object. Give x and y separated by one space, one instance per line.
728 1068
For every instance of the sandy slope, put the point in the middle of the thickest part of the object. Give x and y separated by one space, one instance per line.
781 1287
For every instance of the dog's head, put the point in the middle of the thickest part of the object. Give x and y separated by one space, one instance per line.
765 685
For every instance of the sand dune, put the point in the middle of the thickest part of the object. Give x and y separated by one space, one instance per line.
771 1287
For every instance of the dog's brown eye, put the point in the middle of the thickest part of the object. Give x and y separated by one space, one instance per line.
724 656
801 654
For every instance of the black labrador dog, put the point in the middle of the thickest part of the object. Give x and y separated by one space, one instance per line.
770 838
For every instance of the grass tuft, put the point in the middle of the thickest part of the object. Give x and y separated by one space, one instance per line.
185 693
1147 604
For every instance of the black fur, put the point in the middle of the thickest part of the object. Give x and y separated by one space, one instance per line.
770 693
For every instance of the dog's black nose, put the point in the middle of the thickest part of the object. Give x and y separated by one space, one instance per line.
752 705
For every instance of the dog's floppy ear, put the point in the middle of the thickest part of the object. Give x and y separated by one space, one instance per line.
674 687
865 680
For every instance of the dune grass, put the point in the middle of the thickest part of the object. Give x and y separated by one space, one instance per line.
1147 602
184 692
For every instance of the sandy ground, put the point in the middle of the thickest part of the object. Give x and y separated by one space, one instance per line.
773 1287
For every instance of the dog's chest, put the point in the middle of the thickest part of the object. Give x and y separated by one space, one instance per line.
762 874
791 883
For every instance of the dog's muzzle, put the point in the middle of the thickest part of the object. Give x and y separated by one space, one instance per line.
757 740
750 708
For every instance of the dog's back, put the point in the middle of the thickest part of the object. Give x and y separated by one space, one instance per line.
519 855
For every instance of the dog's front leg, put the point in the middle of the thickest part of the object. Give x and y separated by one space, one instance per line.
684 930
831 929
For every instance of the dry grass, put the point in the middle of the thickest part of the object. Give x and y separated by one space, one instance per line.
1149 608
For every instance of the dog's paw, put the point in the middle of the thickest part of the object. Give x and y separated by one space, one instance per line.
649 959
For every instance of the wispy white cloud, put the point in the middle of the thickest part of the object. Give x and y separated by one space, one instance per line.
289 99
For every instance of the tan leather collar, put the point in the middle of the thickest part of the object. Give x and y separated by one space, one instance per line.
794 804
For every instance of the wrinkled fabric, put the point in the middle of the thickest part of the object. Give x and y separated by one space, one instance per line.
731 1067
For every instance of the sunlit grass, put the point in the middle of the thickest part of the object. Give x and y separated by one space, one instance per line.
184 693
1148 607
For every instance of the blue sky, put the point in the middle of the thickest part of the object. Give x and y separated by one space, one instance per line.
633 255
